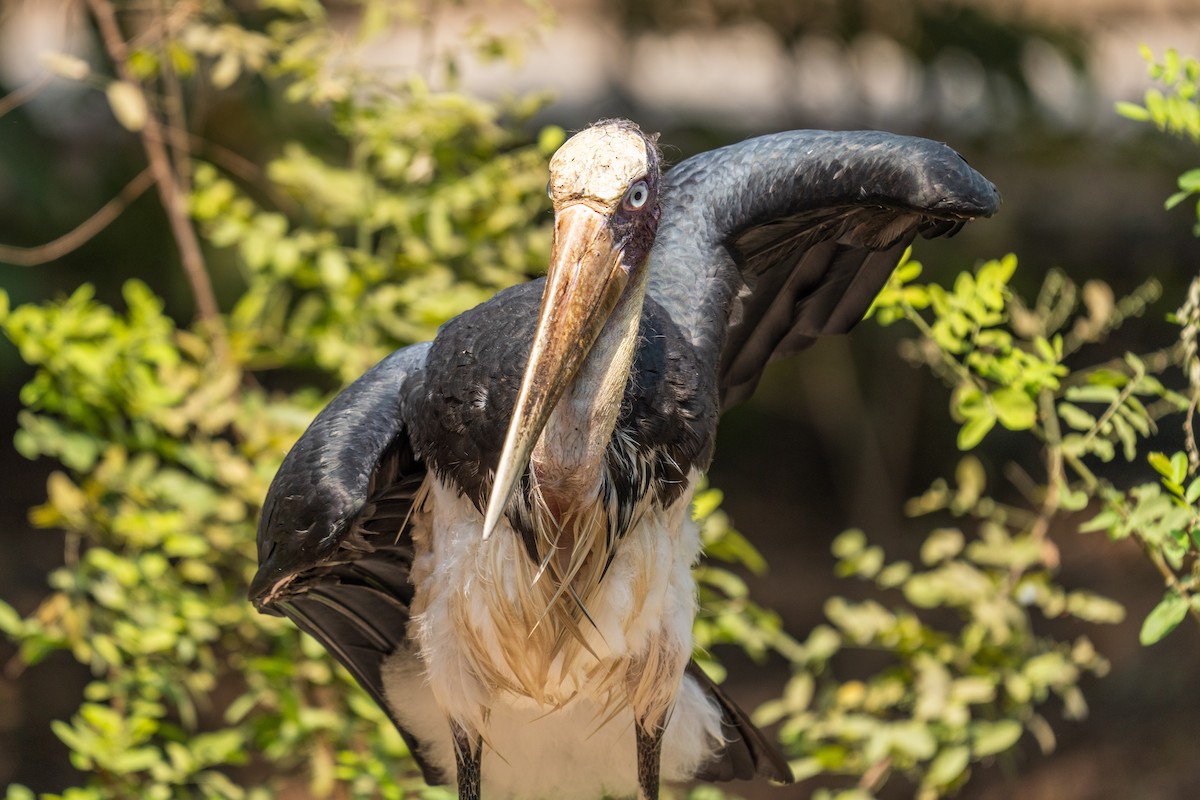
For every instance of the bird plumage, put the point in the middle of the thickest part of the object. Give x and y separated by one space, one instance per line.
573 623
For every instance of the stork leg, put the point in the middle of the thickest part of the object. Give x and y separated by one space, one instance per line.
649 755
468 753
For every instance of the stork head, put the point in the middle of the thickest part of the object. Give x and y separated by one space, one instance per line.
604 184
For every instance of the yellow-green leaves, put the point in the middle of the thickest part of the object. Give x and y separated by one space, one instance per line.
728 615
1168 525
1174 109
947 696
1015 409
1006 364
997 373
128 104
1164 618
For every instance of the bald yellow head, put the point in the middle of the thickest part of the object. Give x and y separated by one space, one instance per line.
600 165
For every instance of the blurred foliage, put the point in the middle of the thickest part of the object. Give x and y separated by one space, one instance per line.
1175 111
968 662
950 697
1163 516
428 202
990 35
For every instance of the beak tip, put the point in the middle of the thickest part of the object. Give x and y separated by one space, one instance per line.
491 518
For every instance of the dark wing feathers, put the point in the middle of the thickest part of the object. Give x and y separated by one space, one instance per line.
747 752
767 244
334 550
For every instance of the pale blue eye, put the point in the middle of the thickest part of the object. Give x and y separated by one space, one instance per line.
637 195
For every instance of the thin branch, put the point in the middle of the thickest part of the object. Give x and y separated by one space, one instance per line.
169 190
1189 433
82 233
872 780
949 361
22 95
1125 393
177 129
241 167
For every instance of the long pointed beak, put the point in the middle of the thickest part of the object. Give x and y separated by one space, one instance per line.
583 284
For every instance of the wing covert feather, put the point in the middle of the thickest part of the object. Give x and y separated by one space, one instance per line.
334 551
767 244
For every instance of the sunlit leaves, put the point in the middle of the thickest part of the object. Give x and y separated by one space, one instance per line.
948 695
128 104
1167 524
1164 618
1175 110
996 374
410 228
727 613
418 205
1005 364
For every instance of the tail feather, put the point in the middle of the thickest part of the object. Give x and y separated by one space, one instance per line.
747 753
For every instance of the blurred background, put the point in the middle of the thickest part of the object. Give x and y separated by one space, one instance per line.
839 437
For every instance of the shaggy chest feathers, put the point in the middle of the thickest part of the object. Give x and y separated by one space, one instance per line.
566 592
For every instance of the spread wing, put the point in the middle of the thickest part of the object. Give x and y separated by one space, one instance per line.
333 542
768 244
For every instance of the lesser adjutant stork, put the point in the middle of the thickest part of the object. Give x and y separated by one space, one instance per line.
491 530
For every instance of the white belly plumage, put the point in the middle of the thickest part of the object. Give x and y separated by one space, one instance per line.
555 708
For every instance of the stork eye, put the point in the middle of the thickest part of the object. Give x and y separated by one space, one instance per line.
637 196
549 190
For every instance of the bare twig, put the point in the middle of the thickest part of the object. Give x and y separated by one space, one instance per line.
22 95
174 104
1189 315
82 233
873 778
170 192
243 168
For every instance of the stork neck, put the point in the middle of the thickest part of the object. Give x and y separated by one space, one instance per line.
568 458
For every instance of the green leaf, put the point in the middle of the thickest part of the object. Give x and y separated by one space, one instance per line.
972 433
1093 393
1076 417
989 738
849 543
706 502
941 545
1161 464
1015 409
948 766
1179 467
16 791
10 621
128 104
1190 181
1132 111
1165 617
226 71
1193 491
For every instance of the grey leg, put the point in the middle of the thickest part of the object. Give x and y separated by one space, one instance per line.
468 752
649 754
